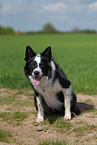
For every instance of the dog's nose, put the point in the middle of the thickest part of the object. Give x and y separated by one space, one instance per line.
36 72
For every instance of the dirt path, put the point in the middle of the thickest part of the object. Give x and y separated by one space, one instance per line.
28 132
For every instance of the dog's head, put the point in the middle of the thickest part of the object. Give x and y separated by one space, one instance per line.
37 65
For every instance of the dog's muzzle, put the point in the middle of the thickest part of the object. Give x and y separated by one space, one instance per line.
37 77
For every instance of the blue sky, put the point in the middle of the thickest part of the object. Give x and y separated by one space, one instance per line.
31 15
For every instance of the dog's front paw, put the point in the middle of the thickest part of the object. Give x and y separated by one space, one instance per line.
67 116
40 119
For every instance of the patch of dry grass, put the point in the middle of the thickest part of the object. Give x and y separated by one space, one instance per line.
17 114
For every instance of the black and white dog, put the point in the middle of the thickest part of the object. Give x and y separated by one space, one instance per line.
52 89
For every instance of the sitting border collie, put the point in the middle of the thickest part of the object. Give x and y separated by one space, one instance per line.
53 94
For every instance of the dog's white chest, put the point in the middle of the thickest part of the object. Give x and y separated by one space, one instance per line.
49 93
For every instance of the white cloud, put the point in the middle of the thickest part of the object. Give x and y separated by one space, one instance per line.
56 7
11 8
17 8
93 6
6 9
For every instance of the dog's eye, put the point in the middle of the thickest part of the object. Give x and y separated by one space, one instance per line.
41 65
33 64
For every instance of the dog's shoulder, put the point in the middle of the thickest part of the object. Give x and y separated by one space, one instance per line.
60 75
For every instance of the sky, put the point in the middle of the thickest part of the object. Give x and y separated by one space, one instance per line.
64 15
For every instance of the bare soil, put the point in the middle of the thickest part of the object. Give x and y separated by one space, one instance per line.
28 132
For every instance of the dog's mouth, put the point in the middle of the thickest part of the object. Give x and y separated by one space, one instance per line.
36 80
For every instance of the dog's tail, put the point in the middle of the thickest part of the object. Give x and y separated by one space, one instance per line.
79 107
95 107
84 107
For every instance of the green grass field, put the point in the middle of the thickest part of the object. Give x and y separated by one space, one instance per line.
75 53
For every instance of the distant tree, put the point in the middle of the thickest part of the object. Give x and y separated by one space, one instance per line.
7 30
76 30
89 31
49 28
0 18
0 30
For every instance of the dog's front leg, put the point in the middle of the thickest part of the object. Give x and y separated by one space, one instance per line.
67 103
40 116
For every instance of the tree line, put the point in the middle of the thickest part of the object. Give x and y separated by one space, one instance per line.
47 28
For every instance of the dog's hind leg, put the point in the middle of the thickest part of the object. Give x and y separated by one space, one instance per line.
74 107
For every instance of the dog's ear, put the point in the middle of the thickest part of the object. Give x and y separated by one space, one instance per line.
47 53
29 53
